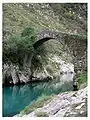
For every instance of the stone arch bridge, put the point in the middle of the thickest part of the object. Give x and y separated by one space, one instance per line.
77 45
47 35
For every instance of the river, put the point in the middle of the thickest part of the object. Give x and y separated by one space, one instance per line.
15 98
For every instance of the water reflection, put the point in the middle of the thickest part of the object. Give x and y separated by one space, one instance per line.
17 97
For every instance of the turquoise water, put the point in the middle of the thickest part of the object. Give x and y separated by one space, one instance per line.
15 98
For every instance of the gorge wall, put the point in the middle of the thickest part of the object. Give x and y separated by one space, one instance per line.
63 30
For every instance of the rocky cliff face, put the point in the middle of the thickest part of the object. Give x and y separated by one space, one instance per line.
52 58
47 63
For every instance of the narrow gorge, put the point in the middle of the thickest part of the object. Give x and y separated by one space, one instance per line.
44 59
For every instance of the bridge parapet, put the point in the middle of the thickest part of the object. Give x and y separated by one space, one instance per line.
48 34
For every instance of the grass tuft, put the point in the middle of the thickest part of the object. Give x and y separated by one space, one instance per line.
38 104
42 114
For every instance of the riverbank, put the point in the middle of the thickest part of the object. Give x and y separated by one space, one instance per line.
68 104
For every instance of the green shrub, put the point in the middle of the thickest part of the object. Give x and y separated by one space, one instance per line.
82 79
69 15
42 114
28 31
16 48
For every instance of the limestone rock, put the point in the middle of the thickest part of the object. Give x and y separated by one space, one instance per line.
68 104
14 75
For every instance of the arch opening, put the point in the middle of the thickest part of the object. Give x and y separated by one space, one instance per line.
41 41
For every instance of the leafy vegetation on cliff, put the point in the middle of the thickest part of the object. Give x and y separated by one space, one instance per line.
82 80
18 47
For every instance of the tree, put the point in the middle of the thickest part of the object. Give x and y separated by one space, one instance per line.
18 47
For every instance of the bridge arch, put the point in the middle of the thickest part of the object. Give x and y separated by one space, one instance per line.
77 46
46 35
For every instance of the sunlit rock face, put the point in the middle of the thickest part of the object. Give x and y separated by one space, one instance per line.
13 75
51 59
76 46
